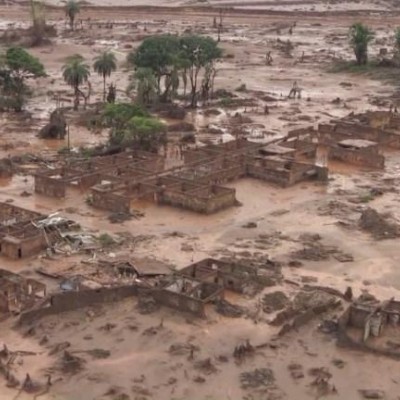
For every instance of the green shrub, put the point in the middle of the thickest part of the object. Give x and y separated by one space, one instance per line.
106 240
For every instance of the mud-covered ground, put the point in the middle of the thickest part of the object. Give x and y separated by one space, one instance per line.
150 356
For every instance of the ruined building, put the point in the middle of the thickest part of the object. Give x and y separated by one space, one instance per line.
117 181
24 233
371 325
17 293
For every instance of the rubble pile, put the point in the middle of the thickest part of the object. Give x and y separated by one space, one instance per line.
380 226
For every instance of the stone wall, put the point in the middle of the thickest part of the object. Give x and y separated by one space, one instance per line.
368 157
17 248
279 176
70 301
106 200
49 186
216 198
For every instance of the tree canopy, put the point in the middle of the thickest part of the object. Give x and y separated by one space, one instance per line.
72 9
75 73
132 126
360 37
171 58
118 115
16 66
23 64
105 64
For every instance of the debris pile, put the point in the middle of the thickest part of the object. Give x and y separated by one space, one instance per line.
380 226
71 364
227 309
274 301
258 378
56 128
304 307
321 383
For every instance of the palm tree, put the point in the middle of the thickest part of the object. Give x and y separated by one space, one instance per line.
72 8
105 64
360 36
75 73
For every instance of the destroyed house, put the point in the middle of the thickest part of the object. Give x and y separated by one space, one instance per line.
337 131
19 236
17 293
86 173
169 190
372 326
24 233
188 295
358 152
11 215
284 172
117 182
232 276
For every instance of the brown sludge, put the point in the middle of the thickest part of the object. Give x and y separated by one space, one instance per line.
254 256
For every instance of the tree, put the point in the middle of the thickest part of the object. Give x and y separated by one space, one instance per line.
112 94
132 126
146 133
38 22
207 84
145 84
72 9
76 73
200 52
118 115
360 37
105 64
17 65
171 58
160 54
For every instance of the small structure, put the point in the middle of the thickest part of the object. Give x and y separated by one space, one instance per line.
188 295
84 174
117 181
373 326
17 293
357 151
230 275
18 235
24 233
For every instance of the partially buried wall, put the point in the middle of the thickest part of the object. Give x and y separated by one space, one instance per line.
204 199
49 186
70 301
106 200
15 248
363 157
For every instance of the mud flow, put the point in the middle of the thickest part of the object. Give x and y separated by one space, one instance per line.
248 250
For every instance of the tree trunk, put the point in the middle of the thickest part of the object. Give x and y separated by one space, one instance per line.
361 56
76 100
184 78
158 84
164 96
19 98
193 102
104 88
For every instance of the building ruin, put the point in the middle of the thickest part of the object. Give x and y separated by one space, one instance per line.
24 233
371 325
18 236
117 181
17 293
188 290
